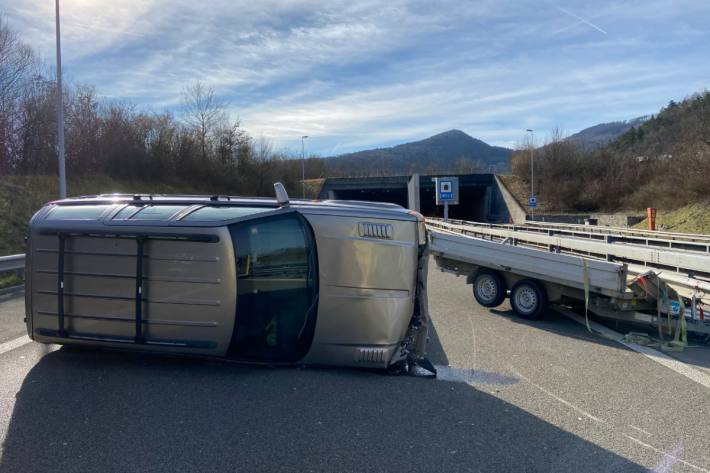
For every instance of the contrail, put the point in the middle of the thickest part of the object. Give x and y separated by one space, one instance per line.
586 22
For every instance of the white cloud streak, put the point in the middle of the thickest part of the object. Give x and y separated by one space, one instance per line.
361 73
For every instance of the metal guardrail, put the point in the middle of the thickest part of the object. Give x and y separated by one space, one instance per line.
12 263
661 235
595 235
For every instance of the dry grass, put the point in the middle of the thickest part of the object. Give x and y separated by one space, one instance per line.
694 218
22 196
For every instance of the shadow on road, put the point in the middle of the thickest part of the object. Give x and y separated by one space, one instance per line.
86 410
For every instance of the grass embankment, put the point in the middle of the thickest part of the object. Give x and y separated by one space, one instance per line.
22 196
693 218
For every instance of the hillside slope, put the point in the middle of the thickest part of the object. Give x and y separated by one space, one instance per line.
694 218
451 151
602 134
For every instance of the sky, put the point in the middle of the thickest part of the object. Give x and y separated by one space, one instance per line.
361 74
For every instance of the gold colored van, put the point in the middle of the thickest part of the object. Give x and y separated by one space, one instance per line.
251 279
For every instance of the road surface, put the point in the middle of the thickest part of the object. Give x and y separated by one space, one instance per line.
511 396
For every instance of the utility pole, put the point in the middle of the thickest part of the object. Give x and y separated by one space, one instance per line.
60 113
532 171
303 166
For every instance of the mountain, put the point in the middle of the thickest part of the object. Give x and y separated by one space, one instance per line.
602 134
451 151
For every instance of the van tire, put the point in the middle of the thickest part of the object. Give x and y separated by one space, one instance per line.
528 299
489 288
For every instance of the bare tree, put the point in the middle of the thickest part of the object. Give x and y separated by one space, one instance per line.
204 113
16 63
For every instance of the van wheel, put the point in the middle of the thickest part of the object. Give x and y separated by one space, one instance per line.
528 299
489 288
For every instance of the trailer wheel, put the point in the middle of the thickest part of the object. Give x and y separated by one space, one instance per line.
489 288
528 299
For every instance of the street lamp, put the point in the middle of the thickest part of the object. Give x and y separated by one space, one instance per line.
532 172
303 166
60 111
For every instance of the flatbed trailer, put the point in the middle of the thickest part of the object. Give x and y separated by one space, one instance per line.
533 278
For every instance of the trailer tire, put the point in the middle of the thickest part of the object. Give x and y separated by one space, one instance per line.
528 299
489 288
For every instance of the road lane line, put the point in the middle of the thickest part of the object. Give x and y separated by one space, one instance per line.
16 343
659 357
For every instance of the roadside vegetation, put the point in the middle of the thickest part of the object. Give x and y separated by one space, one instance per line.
202 148
22 196
664 163
693 218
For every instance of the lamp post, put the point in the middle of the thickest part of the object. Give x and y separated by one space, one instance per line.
60 111
303 166
532 171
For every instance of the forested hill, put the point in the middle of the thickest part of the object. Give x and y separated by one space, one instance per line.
602 134
451 151
663 162
680 132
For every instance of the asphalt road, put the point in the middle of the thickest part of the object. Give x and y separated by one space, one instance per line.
518 396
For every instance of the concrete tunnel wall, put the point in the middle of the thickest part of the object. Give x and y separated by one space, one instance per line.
480 197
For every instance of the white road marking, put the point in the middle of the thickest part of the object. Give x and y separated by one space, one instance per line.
557 398
661 358
16 343
665 454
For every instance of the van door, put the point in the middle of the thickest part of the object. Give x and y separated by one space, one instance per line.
277 288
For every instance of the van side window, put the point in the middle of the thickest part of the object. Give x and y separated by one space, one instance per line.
77 212
276 288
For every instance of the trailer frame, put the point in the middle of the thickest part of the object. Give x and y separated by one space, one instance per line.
562 278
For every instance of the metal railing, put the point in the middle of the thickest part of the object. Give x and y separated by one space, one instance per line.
599 235
659 235
13 263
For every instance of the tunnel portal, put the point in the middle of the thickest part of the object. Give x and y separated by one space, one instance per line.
479 196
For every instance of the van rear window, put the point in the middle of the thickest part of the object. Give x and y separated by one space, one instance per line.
77 212
223 213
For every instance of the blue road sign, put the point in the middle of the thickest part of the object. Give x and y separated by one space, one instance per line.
446 190
532 202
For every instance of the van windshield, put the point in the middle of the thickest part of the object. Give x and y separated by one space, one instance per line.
276 288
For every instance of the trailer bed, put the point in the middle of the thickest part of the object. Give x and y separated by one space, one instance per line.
604 277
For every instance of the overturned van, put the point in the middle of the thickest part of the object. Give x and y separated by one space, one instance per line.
250 279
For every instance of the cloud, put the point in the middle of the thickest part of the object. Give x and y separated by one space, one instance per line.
360 73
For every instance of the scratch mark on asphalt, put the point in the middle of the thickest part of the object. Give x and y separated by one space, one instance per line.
668 460
665 454
557 398
640 430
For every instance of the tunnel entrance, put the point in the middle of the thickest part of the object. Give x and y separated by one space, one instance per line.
394 196
479 198
472 204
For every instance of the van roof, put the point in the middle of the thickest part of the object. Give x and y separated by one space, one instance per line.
202 208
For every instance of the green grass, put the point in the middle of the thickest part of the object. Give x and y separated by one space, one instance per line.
22 196
9 280
694 218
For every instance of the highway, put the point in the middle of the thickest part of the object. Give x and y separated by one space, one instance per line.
512 395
